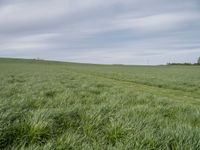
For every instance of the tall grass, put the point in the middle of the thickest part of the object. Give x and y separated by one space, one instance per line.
50 105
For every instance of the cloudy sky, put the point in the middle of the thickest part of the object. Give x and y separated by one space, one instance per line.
101 31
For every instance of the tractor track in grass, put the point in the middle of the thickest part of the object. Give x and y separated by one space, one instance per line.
155 90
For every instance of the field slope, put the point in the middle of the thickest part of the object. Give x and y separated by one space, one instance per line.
57 105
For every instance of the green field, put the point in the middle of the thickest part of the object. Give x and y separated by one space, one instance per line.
56 105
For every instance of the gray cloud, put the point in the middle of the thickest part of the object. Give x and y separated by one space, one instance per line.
98 31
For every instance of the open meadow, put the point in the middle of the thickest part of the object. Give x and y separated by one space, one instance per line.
56 105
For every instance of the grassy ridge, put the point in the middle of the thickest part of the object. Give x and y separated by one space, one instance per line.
55 105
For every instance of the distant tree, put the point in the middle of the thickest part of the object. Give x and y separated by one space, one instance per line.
198 62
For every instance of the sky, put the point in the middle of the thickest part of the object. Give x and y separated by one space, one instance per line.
146 32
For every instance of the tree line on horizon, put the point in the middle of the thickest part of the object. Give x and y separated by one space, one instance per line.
186 63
